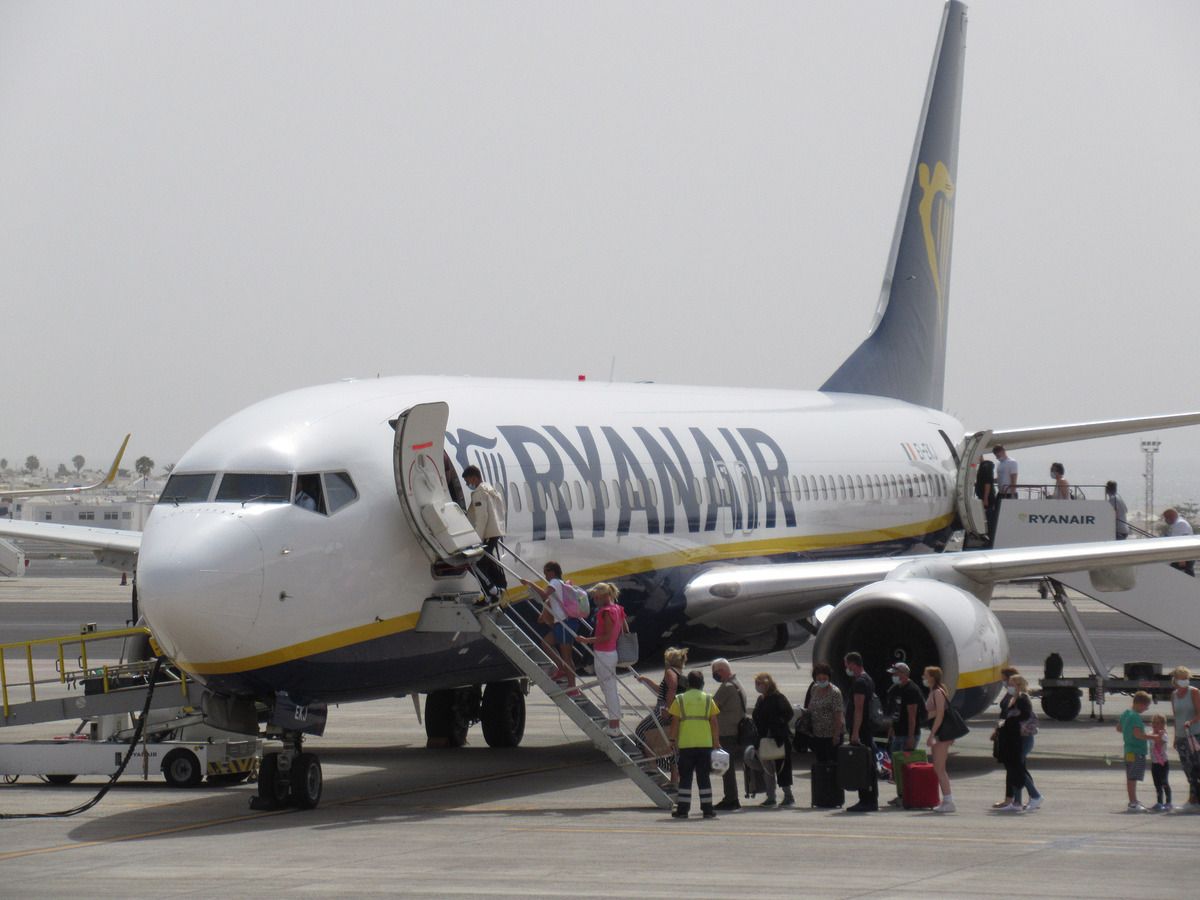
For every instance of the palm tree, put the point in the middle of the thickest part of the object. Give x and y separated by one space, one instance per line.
169 468
77 460
144 466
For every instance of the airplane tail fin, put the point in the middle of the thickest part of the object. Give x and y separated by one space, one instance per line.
904 356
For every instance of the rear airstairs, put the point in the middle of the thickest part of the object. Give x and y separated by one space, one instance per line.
515 637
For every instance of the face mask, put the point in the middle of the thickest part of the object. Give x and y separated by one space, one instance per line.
761 688
823 682
1181 682
895 679
927 682
1012 691
850 672
716 676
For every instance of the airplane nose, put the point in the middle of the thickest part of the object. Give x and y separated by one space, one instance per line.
200 582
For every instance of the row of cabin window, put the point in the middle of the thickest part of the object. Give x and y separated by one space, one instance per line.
798 488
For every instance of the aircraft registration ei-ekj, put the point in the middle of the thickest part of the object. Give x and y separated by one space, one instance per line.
726 516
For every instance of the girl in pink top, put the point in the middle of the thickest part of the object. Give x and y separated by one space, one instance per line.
610 623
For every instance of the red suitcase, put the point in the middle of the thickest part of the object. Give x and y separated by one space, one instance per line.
920 786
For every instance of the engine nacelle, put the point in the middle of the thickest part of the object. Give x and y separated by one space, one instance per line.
923 623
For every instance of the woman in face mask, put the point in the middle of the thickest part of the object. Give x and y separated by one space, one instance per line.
1006 698
825 714
1017 711
772 713
1186 702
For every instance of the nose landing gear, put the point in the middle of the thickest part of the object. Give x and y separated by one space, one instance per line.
290 777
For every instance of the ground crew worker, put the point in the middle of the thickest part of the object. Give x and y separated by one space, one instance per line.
694 734
487 514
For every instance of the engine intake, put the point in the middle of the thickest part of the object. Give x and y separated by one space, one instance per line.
924 623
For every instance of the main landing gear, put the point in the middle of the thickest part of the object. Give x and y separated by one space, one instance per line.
500 708
289 777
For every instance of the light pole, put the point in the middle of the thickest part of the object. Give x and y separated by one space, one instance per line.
1150 448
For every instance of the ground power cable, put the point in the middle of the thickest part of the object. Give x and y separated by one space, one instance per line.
137 734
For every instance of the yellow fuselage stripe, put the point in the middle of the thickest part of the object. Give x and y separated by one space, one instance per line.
633 566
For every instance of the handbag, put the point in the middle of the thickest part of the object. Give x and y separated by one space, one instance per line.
1030 726
804 722
770 750
627 648
953 726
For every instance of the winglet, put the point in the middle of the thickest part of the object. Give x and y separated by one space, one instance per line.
116 464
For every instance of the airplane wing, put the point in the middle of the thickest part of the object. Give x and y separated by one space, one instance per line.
746 598
42 492
113 548
1015 438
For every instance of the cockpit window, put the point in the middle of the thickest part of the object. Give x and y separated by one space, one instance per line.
339 490
309 494
255 486
187 488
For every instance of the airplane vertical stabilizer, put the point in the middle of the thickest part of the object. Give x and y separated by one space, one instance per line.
904 356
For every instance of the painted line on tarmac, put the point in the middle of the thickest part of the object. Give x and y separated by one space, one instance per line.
247 817
835 836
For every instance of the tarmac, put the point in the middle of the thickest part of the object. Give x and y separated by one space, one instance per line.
553 818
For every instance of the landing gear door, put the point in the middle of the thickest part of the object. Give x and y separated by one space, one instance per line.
441 526
970 507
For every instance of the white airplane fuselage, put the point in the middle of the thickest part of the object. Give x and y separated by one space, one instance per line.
641 484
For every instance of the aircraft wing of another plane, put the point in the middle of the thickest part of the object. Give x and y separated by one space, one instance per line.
743 598
110 539
44 492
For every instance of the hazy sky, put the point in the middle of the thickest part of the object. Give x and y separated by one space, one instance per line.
206 204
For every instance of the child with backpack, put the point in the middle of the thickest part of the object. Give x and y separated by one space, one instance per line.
561 610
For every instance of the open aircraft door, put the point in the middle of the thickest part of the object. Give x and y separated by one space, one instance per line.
441 526
970 507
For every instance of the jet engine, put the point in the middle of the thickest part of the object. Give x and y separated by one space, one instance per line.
924 623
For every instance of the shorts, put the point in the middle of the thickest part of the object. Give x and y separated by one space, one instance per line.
1135 767
562 635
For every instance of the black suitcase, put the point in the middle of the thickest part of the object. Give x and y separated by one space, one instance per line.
826 792
854 762
755 782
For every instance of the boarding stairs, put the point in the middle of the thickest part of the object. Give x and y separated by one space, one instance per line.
514 635
91 689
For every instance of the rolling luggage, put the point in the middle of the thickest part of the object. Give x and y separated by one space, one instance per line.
902 758
826 792
920 786
854 764
755 781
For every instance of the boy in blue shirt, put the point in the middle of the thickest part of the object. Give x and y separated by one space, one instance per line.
1131 726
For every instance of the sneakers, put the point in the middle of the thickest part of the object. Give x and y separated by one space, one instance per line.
574 692
1034 803
1010 808
1159 807
612 732
1007 801
946 806
728 804
896 801
1135 808
788 800
769 803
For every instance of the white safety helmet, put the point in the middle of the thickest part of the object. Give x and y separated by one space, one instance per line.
720 762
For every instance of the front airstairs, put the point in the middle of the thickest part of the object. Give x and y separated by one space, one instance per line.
516 638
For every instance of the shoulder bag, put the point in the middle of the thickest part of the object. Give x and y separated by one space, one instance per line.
953 726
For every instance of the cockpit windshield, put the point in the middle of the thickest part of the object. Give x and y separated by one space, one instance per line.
187 488
259 487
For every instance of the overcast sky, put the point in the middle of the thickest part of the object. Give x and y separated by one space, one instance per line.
207 204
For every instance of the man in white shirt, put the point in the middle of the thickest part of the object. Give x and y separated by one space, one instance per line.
1178 526
1006 472
487 513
